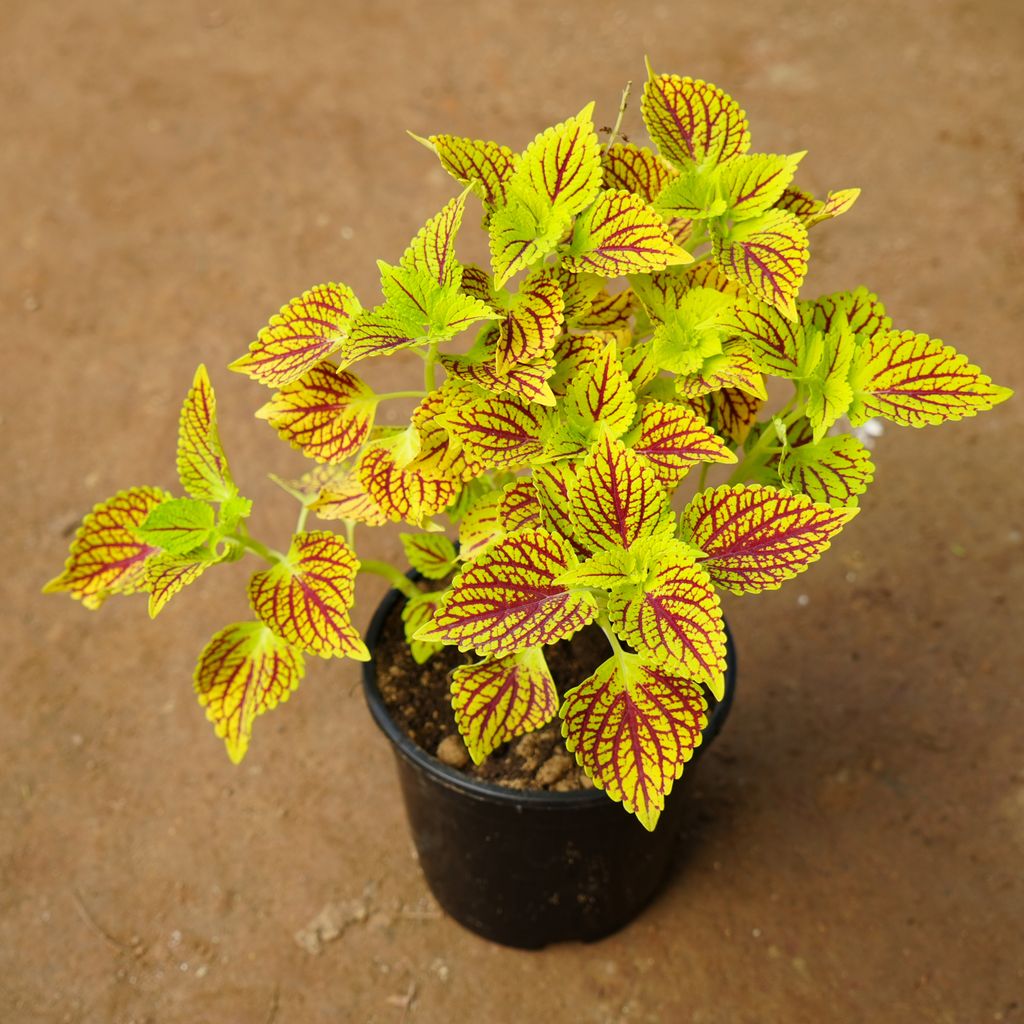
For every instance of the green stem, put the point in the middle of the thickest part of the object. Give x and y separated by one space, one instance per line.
617 652
705 466
392 575
248 543
618 120
399 394
300 525
430 368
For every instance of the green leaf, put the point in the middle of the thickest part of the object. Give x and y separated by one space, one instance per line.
431 554
752 184
495 701
600 400
232 512
673 439
692 332
557 177
696 194
633 727
178 526
828 386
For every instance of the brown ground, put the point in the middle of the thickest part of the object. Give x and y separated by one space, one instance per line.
171 172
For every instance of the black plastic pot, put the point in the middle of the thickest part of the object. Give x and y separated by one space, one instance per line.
528 868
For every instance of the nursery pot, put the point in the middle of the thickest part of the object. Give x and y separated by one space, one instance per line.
527 868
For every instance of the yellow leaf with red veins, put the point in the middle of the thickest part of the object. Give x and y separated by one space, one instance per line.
532 323
106 556
481 526
735 412
327 414
342 496
496 701
167 574
608 312
403 494
439 454
735 367
674 619
692 121
602 396
755 538
768 256
633 727
619 235
673 440
617 499
304 333
507 598
487 166
244 671
636 169
202 464
520 507
306 598
496 433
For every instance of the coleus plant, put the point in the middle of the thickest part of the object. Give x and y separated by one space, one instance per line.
636 301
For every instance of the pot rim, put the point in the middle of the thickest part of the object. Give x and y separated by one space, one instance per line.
536 799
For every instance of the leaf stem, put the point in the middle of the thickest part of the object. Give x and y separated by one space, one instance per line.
386 395
613 640
248 543
623 103
300 524
399 581
430 368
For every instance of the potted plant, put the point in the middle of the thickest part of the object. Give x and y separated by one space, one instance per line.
552 479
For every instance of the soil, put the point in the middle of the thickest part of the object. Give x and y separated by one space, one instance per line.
171 172
419 699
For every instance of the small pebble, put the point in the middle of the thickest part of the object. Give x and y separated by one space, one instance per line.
553 769
452 751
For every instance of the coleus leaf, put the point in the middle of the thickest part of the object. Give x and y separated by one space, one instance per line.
735 412
607 312
526 381
578 292
178 525
167 574
481 526
600 399
707 274
507 599
776 340
532 323
605 569
305 599
691 333
487 166
834 470
734 367
617 499
244 671
753 183
202 464
692 121
431 254
636 169
403 493
343 496
439 455
304 333
674 618
497 700
416 613
914 380
811 211
695 194
496 433
573 354
620 234
633 727
431 554
673 439
520 507
828 387
326 414
107 557
755 538
768 256
557 177
861 310
555 485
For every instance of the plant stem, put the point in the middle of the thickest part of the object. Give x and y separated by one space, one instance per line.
251 544
383 397
430 368
392 575
618 120
300 524
613 640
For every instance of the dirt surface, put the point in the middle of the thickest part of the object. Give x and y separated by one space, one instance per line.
171 173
